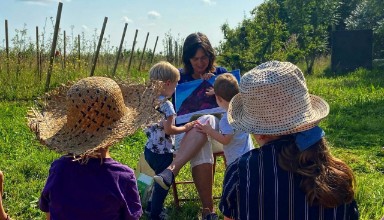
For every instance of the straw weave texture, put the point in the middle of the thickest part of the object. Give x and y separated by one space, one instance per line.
93 113
274 100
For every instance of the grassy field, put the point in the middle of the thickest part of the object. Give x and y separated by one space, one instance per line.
354 129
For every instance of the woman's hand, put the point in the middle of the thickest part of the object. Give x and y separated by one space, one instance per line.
207 76
210 91
190 125
204 128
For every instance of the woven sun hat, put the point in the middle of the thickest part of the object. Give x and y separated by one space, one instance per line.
274 100
95 112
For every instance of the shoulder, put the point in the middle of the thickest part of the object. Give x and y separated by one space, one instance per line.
224 117
224 123
265 153
60 163
167 108
167 104
220 70
184 77
118 167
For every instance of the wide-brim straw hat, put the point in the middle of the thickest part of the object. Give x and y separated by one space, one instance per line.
95 112
274 100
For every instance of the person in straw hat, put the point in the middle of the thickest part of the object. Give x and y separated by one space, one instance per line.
292 175
82 121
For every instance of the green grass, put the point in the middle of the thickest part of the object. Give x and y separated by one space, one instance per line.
27 84
354 130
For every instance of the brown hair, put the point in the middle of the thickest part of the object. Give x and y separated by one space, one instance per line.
192 43
226 86
326 180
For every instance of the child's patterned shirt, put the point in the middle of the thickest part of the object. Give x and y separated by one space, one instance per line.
159 142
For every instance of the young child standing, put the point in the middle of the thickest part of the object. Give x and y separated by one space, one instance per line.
160 145
83 121
235 142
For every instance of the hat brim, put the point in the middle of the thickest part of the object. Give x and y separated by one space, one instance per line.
239 119
49 122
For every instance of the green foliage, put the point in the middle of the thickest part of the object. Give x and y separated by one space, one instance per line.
369 15
256 39
310 20
281 30
23 70
345 10
173 48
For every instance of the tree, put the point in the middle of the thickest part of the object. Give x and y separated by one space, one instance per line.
369 15
345 10
310 21
256 39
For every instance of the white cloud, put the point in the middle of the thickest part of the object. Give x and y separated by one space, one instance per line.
209 2
85 27
153 14
125 19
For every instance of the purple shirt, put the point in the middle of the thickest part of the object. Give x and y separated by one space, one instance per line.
94 190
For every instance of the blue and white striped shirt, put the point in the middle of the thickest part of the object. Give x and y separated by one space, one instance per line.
256 187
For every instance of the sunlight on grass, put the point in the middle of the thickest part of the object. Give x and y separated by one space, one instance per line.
354 130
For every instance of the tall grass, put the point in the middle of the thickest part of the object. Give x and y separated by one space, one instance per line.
19 70
354 130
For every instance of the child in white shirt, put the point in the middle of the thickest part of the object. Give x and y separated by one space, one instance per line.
235 142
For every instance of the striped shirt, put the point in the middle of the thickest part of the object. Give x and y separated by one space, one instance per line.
255 187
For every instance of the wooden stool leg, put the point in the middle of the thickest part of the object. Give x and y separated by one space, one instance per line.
175 195
214 168
177 200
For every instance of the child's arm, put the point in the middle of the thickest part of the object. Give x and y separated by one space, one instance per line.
207 129
170 128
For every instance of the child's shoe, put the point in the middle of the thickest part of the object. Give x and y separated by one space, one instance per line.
165 179
211 216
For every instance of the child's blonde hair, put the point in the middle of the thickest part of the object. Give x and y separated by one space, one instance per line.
164 71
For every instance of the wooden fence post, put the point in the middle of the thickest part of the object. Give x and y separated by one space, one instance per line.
142 54
98 47
132 52
7 45
153 53
38 66
78 51
65 51
53 48
176 54
119 51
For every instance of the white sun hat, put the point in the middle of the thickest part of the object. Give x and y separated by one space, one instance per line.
274 100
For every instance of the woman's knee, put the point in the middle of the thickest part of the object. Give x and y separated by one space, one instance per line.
212 120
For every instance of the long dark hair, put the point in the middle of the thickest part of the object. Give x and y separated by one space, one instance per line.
326 180
192 43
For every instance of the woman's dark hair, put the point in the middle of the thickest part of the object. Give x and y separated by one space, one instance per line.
191 44
326 180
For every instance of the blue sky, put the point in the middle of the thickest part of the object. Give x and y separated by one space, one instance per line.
158 17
